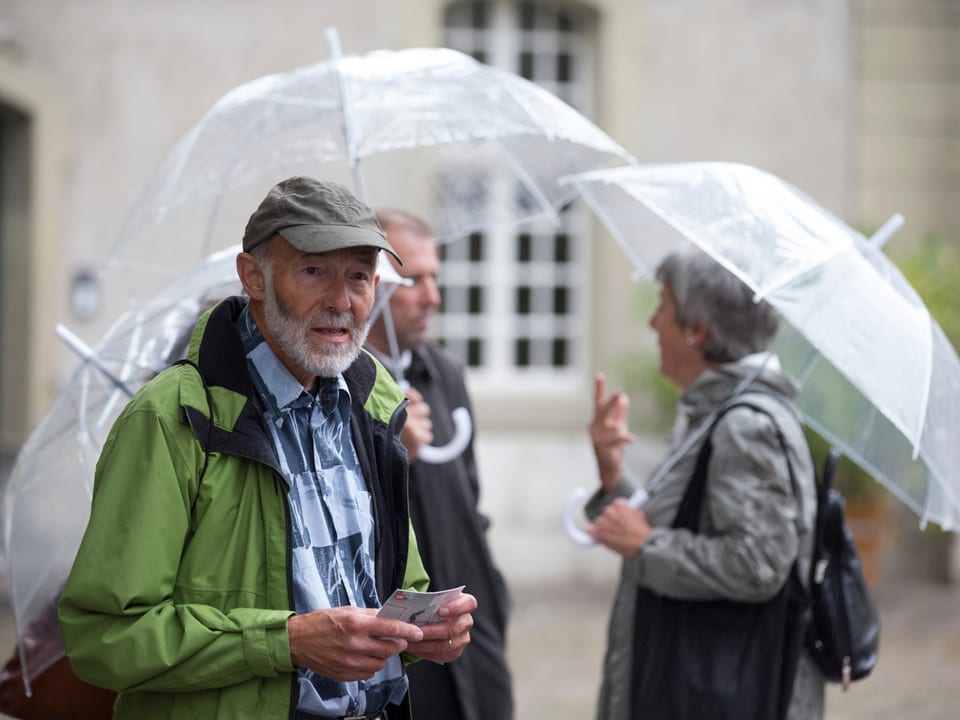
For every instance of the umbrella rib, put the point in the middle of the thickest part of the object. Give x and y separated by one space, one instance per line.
395 358
925 400
614 230
828 255
879 238
530 185
336 55
528 111
87 353
518 169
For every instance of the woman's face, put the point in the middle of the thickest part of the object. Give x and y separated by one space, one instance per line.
680 358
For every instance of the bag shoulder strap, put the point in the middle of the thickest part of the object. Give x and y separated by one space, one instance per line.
688 513
830 526
825 481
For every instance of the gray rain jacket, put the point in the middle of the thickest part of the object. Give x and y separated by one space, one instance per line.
752 528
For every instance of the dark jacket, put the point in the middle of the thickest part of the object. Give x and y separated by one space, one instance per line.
451 533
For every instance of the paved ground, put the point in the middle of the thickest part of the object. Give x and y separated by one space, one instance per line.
556 647
558 634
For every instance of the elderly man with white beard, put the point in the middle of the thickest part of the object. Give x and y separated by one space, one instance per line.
250 509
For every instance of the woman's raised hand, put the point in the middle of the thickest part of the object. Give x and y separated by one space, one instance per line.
609 432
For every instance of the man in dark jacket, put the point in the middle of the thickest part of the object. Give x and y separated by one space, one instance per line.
444 495
250 507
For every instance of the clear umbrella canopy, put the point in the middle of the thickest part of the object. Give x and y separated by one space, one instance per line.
463 144
877 376
46 503
432 131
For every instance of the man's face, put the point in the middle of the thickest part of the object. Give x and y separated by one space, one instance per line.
316 307
411 308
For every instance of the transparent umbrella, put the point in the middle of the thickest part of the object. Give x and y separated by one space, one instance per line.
438 133
877 376
429 130
47 499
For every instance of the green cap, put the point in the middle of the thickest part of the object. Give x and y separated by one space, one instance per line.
315 216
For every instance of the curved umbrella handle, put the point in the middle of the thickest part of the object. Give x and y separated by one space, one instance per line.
462 432
575 500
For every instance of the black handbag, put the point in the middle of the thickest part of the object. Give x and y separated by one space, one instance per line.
718 659
844 635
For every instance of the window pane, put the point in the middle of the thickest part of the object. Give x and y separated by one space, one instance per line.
476 247
475 306
524 248
563 67
479 15
523 301
512 296
561 305
522 352
528 14
526 65
559 352
474 352
561 248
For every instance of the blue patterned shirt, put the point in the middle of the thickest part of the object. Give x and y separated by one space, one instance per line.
331 513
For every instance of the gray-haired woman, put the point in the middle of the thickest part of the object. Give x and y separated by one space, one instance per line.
713 338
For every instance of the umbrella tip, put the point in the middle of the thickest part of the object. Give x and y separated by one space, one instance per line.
333 42
887 230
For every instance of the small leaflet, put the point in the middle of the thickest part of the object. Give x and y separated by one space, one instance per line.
418 608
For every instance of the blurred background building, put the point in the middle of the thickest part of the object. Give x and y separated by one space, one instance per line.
857 102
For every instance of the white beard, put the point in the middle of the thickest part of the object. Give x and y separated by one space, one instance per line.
294 337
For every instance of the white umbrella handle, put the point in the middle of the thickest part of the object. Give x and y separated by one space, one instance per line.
575 500
462 432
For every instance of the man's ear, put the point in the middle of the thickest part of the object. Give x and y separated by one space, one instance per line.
251 276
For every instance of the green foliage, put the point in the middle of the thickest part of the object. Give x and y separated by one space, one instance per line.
933 269
653 397
853 482
642 381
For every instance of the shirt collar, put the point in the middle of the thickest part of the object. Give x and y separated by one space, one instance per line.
277 386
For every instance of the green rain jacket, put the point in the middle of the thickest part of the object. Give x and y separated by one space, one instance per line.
180 592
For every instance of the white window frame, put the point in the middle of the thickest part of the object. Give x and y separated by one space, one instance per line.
499 274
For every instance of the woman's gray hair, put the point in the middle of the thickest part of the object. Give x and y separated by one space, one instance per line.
704 293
